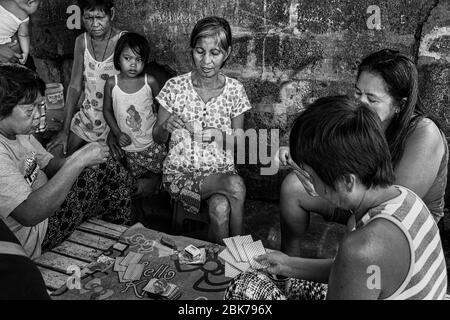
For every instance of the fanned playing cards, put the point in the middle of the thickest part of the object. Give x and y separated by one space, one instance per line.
239 254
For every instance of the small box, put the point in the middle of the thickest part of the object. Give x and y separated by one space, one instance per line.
168 242
192 251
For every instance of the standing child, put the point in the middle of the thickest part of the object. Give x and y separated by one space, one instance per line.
15 18
128 107
92 66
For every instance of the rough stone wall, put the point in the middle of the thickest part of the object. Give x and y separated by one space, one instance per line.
286 52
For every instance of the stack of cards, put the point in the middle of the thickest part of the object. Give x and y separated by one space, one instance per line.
239 253
192 255
161 289
128 267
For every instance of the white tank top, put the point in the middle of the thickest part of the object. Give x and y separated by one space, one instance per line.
134 115
88 123
9 24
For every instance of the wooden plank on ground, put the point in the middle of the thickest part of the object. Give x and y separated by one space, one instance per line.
58 262
91 240
78 251
100 230
109 225
53 280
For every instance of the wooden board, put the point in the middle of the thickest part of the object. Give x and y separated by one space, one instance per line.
100 230
85 245
53 280
78 251
58 262
194 281
109 225
91 240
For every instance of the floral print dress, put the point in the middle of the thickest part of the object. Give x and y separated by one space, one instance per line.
189 161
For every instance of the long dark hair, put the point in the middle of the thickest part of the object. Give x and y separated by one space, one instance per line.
401 77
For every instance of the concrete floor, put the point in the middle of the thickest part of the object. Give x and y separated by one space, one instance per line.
263 223
261 220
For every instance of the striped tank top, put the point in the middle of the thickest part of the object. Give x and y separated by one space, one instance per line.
427 274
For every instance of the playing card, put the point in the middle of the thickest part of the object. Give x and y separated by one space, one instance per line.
239 241
131 257
117 266
194 126
121 274
119 246
229 242
254 249
164 251
133 272
231 271
227 257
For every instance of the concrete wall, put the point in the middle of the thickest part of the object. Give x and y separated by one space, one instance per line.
286 52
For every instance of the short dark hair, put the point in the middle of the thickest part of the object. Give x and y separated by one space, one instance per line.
212 27
18 84
136 42
400 74
337 136
105 5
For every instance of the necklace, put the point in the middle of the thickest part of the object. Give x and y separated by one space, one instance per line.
104 52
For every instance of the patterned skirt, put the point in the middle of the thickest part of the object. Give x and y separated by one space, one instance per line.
102 191
185 187
258 285
146 162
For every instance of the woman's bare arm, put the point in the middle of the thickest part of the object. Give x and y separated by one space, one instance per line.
421 159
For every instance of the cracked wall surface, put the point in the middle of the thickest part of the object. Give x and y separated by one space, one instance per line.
286 52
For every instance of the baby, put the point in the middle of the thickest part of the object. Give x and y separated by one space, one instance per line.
14 18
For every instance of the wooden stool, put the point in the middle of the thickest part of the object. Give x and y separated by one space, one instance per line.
183 222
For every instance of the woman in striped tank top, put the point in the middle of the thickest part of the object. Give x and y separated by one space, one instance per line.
394 250
387 81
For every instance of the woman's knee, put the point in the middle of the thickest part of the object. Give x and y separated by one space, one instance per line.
219 208
235 186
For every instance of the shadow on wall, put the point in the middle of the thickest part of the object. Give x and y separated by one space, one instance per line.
162 73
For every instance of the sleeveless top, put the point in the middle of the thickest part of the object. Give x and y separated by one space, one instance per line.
9 24
89 123
434 198
134 115
427 274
